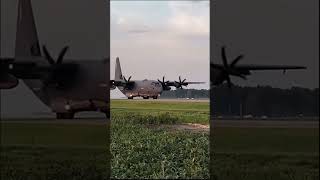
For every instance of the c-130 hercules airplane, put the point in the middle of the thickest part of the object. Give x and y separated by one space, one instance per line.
222 72
66 86
144 88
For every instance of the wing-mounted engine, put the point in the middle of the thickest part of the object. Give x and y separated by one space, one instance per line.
231 69
180 83
7 80
128 85
165 84
177 84
124 84
60 75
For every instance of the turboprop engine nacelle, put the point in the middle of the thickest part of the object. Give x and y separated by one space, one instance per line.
8 81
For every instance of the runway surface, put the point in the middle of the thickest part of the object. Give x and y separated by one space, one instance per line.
265 123
91 121
167 100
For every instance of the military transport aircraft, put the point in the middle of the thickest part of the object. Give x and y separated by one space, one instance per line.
144 88
66 86
222 72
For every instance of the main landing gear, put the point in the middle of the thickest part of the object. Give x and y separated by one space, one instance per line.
155 97
70 115
67 115
145 97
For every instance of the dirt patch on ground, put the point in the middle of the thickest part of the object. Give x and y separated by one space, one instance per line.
192 127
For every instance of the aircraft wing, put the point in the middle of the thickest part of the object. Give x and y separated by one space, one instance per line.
121 83
11 71
179 84
252 67
268 67
23 70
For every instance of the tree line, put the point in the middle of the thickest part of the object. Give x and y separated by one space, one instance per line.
256 101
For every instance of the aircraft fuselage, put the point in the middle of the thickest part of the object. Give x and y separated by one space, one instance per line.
143 88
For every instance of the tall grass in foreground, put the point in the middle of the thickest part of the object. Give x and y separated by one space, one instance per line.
54 151
140 152
265 153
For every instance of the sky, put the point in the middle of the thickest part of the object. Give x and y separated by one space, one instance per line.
280 32
161 38
171 38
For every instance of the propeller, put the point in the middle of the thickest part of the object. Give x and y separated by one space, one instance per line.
127 80
164 84
60 57
230 69
61 74
180 83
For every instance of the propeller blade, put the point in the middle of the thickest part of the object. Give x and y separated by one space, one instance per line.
47 55
243 77
229 81
129 78
224 57
235 61
61 55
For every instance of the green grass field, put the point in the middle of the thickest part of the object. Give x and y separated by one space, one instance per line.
54 151
139 150
265 153
187 112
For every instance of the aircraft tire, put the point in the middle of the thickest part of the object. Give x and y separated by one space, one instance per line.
130 97
146 97
68 115
155 97
107 115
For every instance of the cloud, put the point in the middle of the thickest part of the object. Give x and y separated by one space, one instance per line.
183 18
138 31
190 18
171 41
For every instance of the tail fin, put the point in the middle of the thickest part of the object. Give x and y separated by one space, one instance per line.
27 43
118 74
